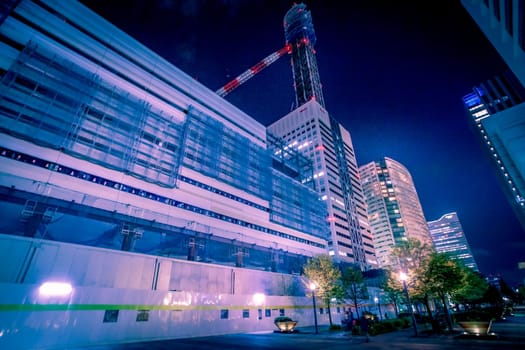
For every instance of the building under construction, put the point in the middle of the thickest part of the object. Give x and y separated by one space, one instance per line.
136 203
311 130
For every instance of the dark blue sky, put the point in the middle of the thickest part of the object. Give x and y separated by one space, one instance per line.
393 73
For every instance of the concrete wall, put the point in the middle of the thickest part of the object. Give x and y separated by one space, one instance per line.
125 297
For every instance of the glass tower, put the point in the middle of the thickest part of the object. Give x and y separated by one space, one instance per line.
394 210
448 237
496 109
497 106
503 23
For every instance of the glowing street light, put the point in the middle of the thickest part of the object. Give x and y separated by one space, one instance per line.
312 288
403 277
258 299
55 289
376 299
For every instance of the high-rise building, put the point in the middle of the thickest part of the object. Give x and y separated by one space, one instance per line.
497 109
448 237
310 130
503 23
394 210
105 143
497 106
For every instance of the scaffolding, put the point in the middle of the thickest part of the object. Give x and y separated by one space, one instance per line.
221 153
295 202
55 103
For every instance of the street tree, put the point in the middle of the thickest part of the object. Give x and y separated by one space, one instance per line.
354 286
321 271
473 288
393 289
411 257
443 276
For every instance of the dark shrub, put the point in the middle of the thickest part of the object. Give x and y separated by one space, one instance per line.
282 319
335 327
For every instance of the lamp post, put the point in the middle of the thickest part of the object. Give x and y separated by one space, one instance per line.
376 299
312 288
403 277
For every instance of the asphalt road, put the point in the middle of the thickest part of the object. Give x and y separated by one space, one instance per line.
511 336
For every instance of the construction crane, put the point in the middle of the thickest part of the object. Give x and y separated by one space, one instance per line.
226 89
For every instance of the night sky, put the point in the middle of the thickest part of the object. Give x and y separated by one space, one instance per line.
393 74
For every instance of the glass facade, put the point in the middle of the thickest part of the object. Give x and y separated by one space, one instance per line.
503 23
448 237
394 209
496 108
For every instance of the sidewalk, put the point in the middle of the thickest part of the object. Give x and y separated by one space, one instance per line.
511 338
306 339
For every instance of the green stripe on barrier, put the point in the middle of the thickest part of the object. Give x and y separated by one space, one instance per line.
99 307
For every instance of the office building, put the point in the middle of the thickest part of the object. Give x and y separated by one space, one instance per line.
496 107
448 237
503 23
310 130
394 210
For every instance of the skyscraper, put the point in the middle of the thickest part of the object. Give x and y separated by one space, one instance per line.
310 130
503 23
448 237
496 109
394 210
497 106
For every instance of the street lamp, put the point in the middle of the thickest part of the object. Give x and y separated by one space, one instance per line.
312 288
376 299
403 277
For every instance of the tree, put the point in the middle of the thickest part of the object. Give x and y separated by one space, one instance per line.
507 291
354 286
412 257
443 276
321 271
473 288
492 296
393 290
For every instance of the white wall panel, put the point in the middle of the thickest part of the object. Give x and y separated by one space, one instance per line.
17 251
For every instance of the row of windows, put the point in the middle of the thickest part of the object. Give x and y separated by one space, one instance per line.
222 193
111 316
7 153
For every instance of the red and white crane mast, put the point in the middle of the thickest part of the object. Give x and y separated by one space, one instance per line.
246 75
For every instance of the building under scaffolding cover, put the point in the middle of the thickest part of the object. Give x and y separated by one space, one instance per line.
106 144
